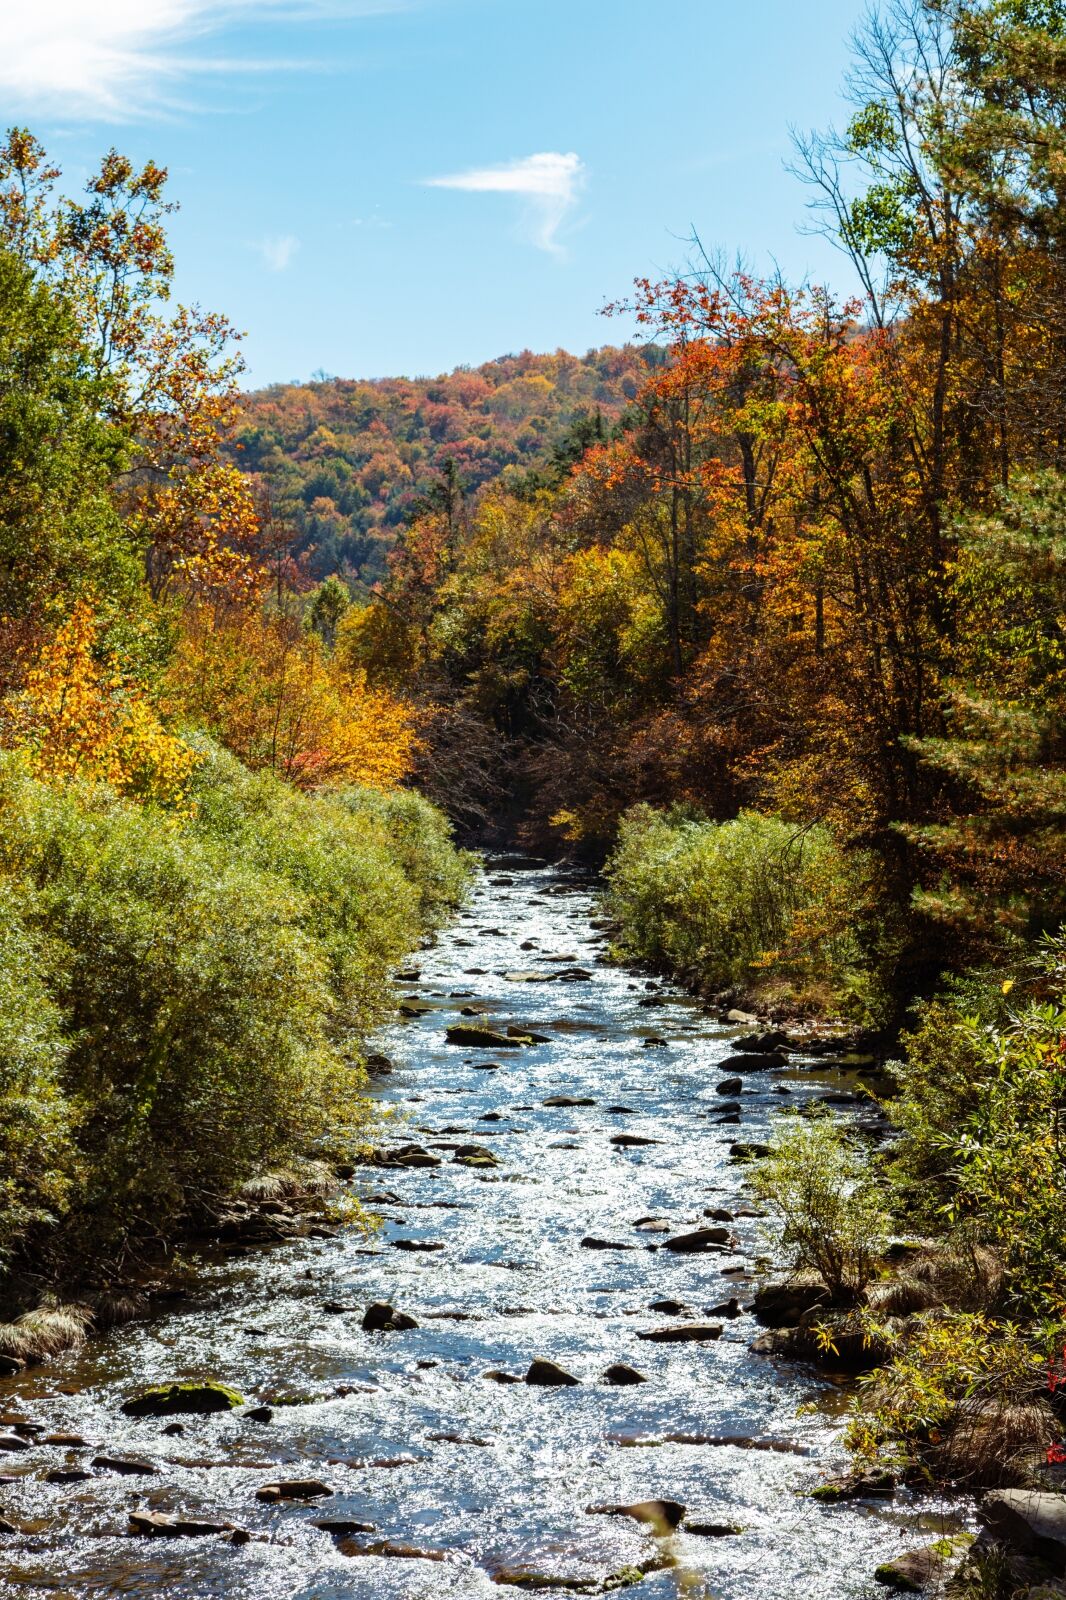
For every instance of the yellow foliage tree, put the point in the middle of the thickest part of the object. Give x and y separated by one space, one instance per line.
79 717
272 694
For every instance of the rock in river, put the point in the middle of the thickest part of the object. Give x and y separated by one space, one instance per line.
383 1318
619 1373
130 1469
389 1547
548 1374
590 1242
661 1515
761 1043
158 1525
764 1062
199 1398
472 1037
683 1333
629 1141
691 1244
916 1571
1031 1521
293 1489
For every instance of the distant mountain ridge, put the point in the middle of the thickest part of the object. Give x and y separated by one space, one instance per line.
348 461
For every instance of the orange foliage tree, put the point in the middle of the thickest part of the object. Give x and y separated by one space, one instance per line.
271 692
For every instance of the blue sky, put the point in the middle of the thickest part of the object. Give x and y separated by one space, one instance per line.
372 188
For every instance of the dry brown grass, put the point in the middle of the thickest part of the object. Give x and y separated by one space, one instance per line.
995 1443
47 1331
313 1180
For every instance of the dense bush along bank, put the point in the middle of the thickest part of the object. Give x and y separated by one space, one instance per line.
182 999
769 914
963 1318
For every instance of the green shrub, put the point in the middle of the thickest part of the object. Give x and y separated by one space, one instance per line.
35 1150
823 1194
756 903
959 1399
982 1113
419 839
188 995
373 872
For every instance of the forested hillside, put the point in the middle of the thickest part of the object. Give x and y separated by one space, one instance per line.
346 463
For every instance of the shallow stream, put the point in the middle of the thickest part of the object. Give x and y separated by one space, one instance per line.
494 1478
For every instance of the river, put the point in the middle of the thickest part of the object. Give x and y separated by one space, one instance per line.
402 1426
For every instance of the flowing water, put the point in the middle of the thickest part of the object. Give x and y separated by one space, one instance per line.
402 1425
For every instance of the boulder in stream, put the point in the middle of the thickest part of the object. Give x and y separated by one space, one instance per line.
389 1547
383 1318
160 1525
549 1375
700 1240
761 1043
126 1466
293 1489
765 1061
1031 1521
683 1333
783 1305
662 1516
621 1374
927 1568
199 1397
472 1037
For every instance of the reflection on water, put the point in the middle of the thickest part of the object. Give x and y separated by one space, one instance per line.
402 1425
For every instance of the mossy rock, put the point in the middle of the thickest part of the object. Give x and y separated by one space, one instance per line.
918 1570
472 1037
200 1398
624 1578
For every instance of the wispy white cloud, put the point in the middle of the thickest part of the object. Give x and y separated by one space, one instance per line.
122 59
549 183
277 250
